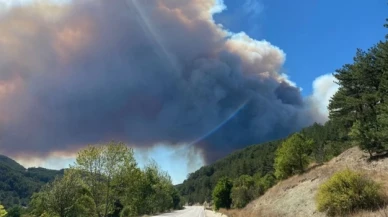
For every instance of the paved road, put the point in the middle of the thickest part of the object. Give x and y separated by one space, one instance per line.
190 211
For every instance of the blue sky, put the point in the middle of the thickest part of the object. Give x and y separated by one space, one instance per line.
318 36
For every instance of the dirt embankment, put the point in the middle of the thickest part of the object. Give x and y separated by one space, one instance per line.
295 196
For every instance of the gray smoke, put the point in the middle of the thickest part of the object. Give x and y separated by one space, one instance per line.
143 72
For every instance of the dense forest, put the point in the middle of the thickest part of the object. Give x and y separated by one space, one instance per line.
17 184
253 160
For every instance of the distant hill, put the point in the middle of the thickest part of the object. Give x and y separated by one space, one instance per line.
255 159
17 184
11 163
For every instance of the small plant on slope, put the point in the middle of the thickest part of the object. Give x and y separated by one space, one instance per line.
346 192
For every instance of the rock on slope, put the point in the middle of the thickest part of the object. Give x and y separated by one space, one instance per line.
295 196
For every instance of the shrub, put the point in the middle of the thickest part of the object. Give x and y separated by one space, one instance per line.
346 192
243 191
15 211
265 183
128 211
221 194
2 211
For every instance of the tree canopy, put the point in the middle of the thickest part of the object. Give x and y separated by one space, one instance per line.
361 101
106 181
292 156
221 194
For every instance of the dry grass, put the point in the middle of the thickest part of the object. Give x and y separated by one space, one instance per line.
296 195
244 213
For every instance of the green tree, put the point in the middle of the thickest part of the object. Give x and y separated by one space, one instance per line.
15 211
38 203
101 167
292 156
3 213
243 191
382 119
358 102
221 194
64 197
106 181
157 190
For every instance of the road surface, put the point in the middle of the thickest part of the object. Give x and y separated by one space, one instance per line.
189 211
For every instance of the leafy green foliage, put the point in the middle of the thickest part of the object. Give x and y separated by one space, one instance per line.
262 184
348 191
106 181
221 194
102 167
15 211
330 140
3 213
243 191
292 156
157 192
361 101
64 197
128 211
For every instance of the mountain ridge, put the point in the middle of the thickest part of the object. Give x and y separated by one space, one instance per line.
17 183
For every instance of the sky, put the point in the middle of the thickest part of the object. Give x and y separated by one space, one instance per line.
224 74
317 36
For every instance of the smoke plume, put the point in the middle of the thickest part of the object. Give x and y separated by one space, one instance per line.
142 72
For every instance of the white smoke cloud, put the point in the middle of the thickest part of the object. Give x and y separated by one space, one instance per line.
324 88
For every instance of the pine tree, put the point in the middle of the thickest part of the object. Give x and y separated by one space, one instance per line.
382 62
356 104
221 194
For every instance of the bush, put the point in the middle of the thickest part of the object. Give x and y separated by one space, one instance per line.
221 194
15 211
128 211
265 183
243 191
241 196
2 211
346 192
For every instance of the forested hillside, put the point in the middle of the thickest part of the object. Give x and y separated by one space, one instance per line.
17 184
256 159
256 163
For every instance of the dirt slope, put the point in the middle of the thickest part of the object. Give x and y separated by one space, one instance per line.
294 197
